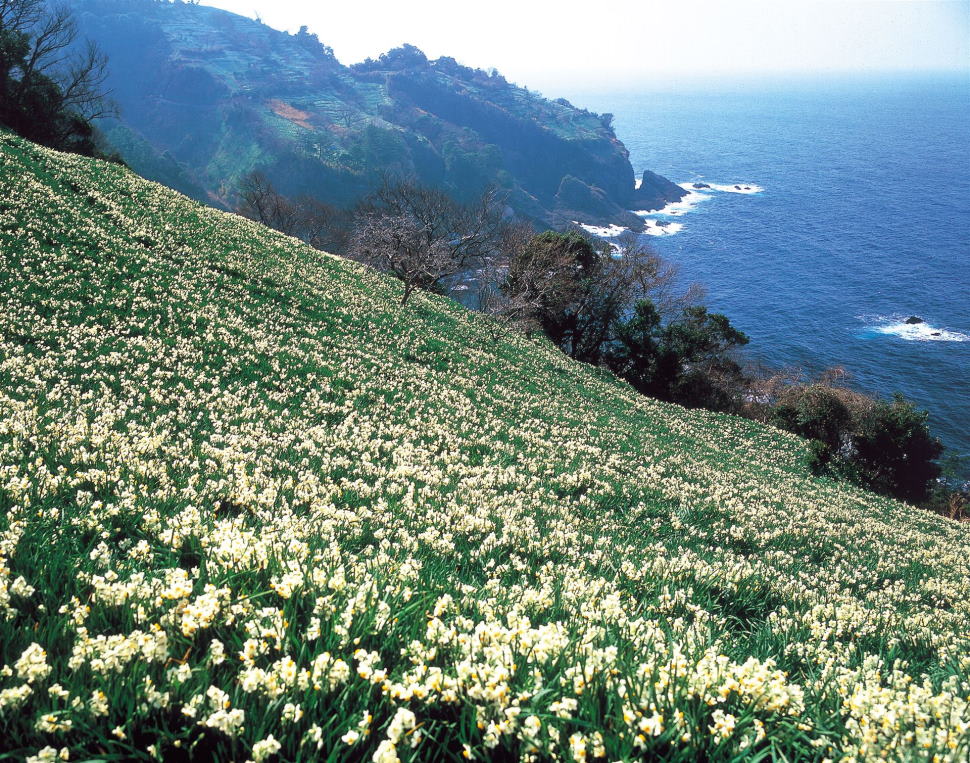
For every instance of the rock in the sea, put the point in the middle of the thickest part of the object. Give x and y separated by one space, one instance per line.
937 333
738 187
656 192
584 203
701 185
914 319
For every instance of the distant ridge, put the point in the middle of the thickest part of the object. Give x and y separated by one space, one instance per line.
208 96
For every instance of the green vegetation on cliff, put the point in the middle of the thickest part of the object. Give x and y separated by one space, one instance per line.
225 95
250 507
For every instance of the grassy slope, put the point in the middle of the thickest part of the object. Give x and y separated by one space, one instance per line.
399 525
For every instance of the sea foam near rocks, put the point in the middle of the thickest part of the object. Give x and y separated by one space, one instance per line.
656 228
743 188
676 208
916 332
657 221
609 231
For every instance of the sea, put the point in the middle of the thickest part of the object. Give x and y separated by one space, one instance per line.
836 209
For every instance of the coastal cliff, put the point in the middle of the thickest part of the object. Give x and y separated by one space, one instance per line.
207 97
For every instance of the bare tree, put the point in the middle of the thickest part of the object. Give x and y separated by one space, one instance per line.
315 222
647 275
260 201
20 14
82 83
511 308
52 36
346 115
422 236
321 225
51 85
575 288
53 52
401 245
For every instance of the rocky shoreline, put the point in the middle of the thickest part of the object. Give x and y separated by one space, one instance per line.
578 202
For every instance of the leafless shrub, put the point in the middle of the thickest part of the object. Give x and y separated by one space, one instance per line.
422 236
321 225
575 288
259 200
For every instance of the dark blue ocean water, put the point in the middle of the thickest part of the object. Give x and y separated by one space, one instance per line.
863 220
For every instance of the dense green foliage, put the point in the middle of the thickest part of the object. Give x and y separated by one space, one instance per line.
685 359
596 306
816 411
250 507
566 278
885 445
895 452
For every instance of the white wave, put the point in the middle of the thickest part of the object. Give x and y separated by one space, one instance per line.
654 218
660 228
918 332
610 231
657 221
675 208
744 188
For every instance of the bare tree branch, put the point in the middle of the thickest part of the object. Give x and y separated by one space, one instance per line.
51 39
21 15
82 83
422 236
51 87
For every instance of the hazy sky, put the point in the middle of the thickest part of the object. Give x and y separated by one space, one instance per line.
549 45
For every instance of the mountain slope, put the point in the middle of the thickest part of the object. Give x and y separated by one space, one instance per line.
224 95
249 505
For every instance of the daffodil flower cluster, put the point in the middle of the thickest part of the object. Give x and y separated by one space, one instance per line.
253 509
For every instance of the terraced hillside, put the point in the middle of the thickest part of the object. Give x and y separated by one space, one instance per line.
252 509
208 96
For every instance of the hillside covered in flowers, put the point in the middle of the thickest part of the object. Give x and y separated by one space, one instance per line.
251 509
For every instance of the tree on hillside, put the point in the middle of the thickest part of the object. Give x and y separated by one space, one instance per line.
260 201
822 410
708 375
51 87
685 359
508 309
552 274
320 225
323 226
621 306
886 446
895 451
422 236
575 289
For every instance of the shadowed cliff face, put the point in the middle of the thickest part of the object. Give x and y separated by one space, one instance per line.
207 97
